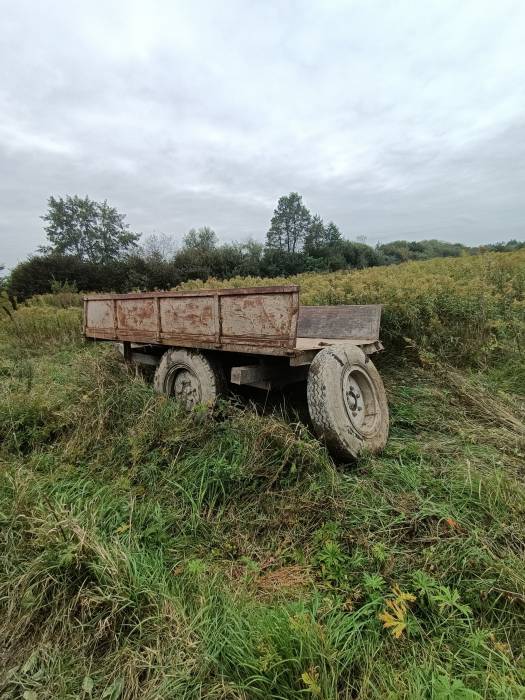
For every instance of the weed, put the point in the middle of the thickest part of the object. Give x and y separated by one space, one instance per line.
394 617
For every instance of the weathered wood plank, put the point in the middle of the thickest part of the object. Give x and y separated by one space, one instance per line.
333 322
247 316
256 315
188 316
257 347
136 314
100 315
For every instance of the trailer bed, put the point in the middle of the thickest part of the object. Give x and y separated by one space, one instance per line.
256 320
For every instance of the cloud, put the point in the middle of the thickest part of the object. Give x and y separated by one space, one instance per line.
395 120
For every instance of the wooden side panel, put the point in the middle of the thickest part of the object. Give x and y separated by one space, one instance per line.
344 322
188 316
238 320
99 314
137 315
257 316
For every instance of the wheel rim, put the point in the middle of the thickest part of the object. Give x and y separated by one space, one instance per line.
360 400
183 384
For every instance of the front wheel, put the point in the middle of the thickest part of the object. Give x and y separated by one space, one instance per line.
347 402
190 377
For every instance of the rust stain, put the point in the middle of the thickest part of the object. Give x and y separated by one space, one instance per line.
237 320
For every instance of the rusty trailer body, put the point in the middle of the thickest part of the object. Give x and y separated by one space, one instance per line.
200 339
258 320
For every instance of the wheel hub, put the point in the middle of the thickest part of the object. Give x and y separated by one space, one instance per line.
359 399
185 387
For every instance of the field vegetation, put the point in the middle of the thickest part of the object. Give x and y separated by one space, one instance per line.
467 310
148 553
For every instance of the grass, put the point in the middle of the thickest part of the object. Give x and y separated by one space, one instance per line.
468 310
147 553
34 328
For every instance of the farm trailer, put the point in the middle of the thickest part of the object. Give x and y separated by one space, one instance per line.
260 337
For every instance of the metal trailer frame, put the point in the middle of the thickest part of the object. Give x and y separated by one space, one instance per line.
264 321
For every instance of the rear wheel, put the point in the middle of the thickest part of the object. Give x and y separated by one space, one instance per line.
347 402
190 377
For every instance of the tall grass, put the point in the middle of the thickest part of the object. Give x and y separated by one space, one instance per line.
61 299
39 327
149 553
465 310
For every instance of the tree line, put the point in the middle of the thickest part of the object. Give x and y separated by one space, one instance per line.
91 248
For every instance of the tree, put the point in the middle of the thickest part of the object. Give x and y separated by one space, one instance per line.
322 241
333 234
315 238
203 239
277 263
158 246
401 251
252 255
92 231
289 225
359 254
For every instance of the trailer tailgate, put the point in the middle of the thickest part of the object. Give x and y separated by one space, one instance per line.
359 323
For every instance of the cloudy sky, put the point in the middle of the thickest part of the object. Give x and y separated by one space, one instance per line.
395 119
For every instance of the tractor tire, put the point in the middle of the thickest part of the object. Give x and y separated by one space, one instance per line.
189 377
347 402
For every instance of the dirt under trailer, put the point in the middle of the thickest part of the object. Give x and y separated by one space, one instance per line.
200 341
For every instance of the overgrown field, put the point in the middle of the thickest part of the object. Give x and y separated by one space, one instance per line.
146 553
467 310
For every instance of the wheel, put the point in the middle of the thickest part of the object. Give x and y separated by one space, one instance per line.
347 401
190 377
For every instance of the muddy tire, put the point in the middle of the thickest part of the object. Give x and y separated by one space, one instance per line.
189 377
347 402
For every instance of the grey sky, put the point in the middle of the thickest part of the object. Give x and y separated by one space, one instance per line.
394 119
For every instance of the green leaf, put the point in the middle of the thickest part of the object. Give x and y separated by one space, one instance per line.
310 681
87 685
